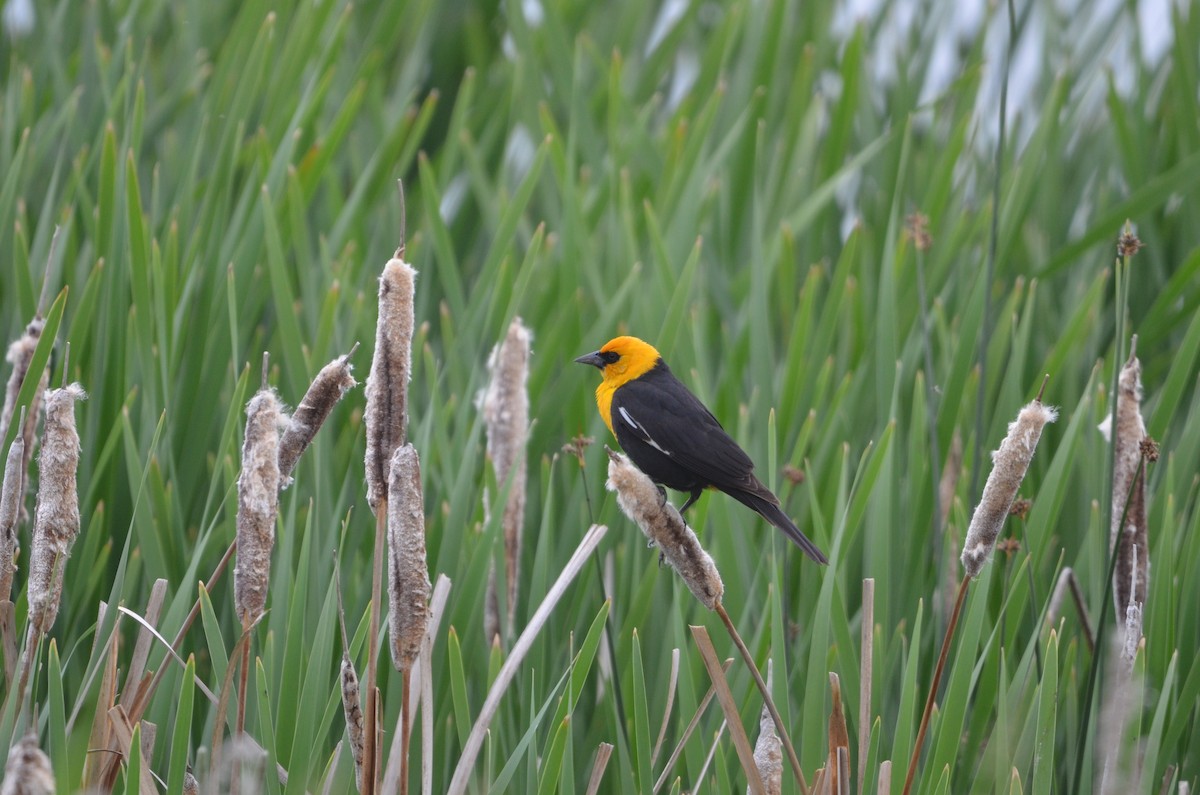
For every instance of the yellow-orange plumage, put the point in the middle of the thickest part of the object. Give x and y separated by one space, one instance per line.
636 359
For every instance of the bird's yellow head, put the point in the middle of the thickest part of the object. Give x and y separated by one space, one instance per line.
621 360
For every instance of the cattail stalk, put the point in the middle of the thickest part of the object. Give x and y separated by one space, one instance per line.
386 419
20 355
408 581
258 504
768 750
351 693
1009 464
386 415
408 574
642 502
1132 574
56 518
505 406
352 707
10 504
28 770
331 384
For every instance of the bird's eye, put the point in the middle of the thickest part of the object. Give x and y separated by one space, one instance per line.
609 357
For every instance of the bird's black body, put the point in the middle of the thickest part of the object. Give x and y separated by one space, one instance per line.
672 437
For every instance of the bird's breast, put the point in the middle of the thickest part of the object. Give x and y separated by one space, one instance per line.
604 398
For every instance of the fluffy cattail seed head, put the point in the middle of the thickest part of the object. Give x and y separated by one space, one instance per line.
642 502
28 771
768 749
505 406
56 518
330 385
10 505
386 416
408 574
1132 573
20 356
258 504
1009 464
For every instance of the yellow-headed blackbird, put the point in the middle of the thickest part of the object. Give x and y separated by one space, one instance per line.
670 435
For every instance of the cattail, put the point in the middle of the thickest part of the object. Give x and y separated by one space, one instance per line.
56 518
1133 633
505 406
258 502
768 749
386 415
1129 484
190 785
10 503
330 385
491 608
1009 464
408 574
20 355
642 502
28 770
352 707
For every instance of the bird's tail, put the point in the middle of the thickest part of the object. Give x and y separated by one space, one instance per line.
767 504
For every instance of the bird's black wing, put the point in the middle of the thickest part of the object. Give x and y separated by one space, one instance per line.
660 411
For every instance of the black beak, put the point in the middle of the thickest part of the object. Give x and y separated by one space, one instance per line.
594 359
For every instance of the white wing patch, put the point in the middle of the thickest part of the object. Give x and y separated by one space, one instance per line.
642 431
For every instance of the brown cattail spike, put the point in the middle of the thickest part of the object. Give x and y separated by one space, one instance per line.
642 502
351 692
352 708
1129 485
56 518
20 354
258 503
330 385
408 574
505 406
28 771
386 415
1009 464
10 504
